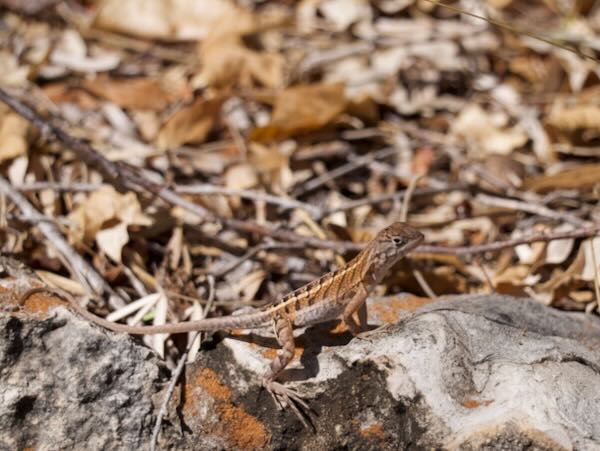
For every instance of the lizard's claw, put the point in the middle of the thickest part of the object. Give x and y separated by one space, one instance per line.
287 397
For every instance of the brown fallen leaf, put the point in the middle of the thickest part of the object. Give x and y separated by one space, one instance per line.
227 61
570 118
302 109
134 93
582 177
162 19
13 136
191 124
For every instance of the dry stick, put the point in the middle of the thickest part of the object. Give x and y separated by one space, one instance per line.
179 369
251 253
392 196
126 177
516 30
86 274
58 186
529 207
499 245
403 217
283 202
343 170
596 276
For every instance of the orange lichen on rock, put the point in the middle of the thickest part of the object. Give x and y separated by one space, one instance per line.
373 431
236 426
41 302
474 403
390 310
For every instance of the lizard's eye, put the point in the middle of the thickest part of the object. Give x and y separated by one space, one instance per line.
397 241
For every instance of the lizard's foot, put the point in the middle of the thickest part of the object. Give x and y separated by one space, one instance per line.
287 397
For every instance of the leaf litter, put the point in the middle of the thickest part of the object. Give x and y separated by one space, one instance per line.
312 117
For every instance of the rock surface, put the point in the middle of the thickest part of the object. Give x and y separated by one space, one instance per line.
66 384
478 372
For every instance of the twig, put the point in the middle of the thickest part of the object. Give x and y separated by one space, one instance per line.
179 369
343 170
283 202
499 245
407 197
324 57
125 177
84 272
517 30
251 253
393 196
529 207
596 276
423 284
58 186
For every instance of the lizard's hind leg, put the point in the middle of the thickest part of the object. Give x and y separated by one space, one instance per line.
283 395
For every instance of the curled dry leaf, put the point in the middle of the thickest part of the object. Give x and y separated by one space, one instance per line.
488 133
13 136
191 124
227 61
302 109
112 239
570 118
591 268
104 206
134 93
582 177
162 19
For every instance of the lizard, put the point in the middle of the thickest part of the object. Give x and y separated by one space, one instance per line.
340 293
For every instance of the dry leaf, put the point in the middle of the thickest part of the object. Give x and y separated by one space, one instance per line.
13 136
191 124
570 118
582 177
302 109
241 176
163 19
102 206
558 251
112 240
135 93
488 132
227 61
591 268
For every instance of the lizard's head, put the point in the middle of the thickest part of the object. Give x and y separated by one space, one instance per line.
393 243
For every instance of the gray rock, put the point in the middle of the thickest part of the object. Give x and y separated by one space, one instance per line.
65 384
472 372
478 372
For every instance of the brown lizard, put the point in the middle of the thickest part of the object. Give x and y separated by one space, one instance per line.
339 293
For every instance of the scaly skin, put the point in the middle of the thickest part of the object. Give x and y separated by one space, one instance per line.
340 293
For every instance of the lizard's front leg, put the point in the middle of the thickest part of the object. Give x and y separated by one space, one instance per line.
281 394
357 304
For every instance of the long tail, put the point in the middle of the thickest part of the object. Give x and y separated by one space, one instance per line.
246 321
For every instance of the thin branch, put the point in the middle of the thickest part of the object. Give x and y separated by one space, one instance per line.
179 369
516 30
423 284
529 207
126 177
344 169
372 200
58 186
84 272
499 245
285 203
251 253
